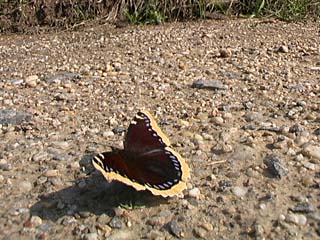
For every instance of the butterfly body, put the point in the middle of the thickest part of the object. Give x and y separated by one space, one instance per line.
147 161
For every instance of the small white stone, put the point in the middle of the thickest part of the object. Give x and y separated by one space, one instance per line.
312 151
299 158
198 137
291 152
195 192
107 134
31 81
25 186
298 219
227 115
218 120
61 145
239 191
302 219
35 221
282 217
3 161
39 156
262 206
309 166
51 173
75 165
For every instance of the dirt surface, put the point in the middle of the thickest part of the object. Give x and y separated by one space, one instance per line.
238 99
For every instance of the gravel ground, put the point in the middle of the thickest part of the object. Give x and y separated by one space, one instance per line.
239 99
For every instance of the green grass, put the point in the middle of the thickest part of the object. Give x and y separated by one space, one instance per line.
287 10
73 12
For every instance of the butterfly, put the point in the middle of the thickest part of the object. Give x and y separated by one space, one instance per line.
147 162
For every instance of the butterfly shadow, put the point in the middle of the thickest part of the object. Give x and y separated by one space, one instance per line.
92 195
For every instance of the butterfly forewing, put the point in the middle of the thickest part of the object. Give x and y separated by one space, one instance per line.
144 134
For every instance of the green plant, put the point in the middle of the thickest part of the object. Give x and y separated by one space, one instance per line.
293 10
144 14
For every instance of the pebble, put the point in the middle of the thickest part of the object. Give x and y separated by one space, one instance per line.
61 157
283 49
51 173
31 81
40 156
250 172
123 235
227 115
56 181
198 138
58 77
91 236
303 207
225 53
224 185
61 145
218 120
9 116
116 223
74 165
275 167
25 186
296 128
253 116
106 134
239 191
16 81
160 219
310 166
207 226
307 181
200 232
6 166
299 158
298 219
312 151
19 211
119 130
1 178
258 231
103 219
175 228
35 221
194 193
209 84
184 123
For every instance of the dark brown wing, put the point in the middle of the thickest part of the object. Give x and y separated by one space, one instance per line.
162 171
144 134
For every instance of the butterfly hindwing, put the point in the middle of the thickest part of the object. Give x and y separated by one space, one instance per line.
162 171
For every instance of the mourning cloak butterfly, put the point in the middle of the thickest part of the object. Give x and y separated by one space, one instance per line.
147 161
